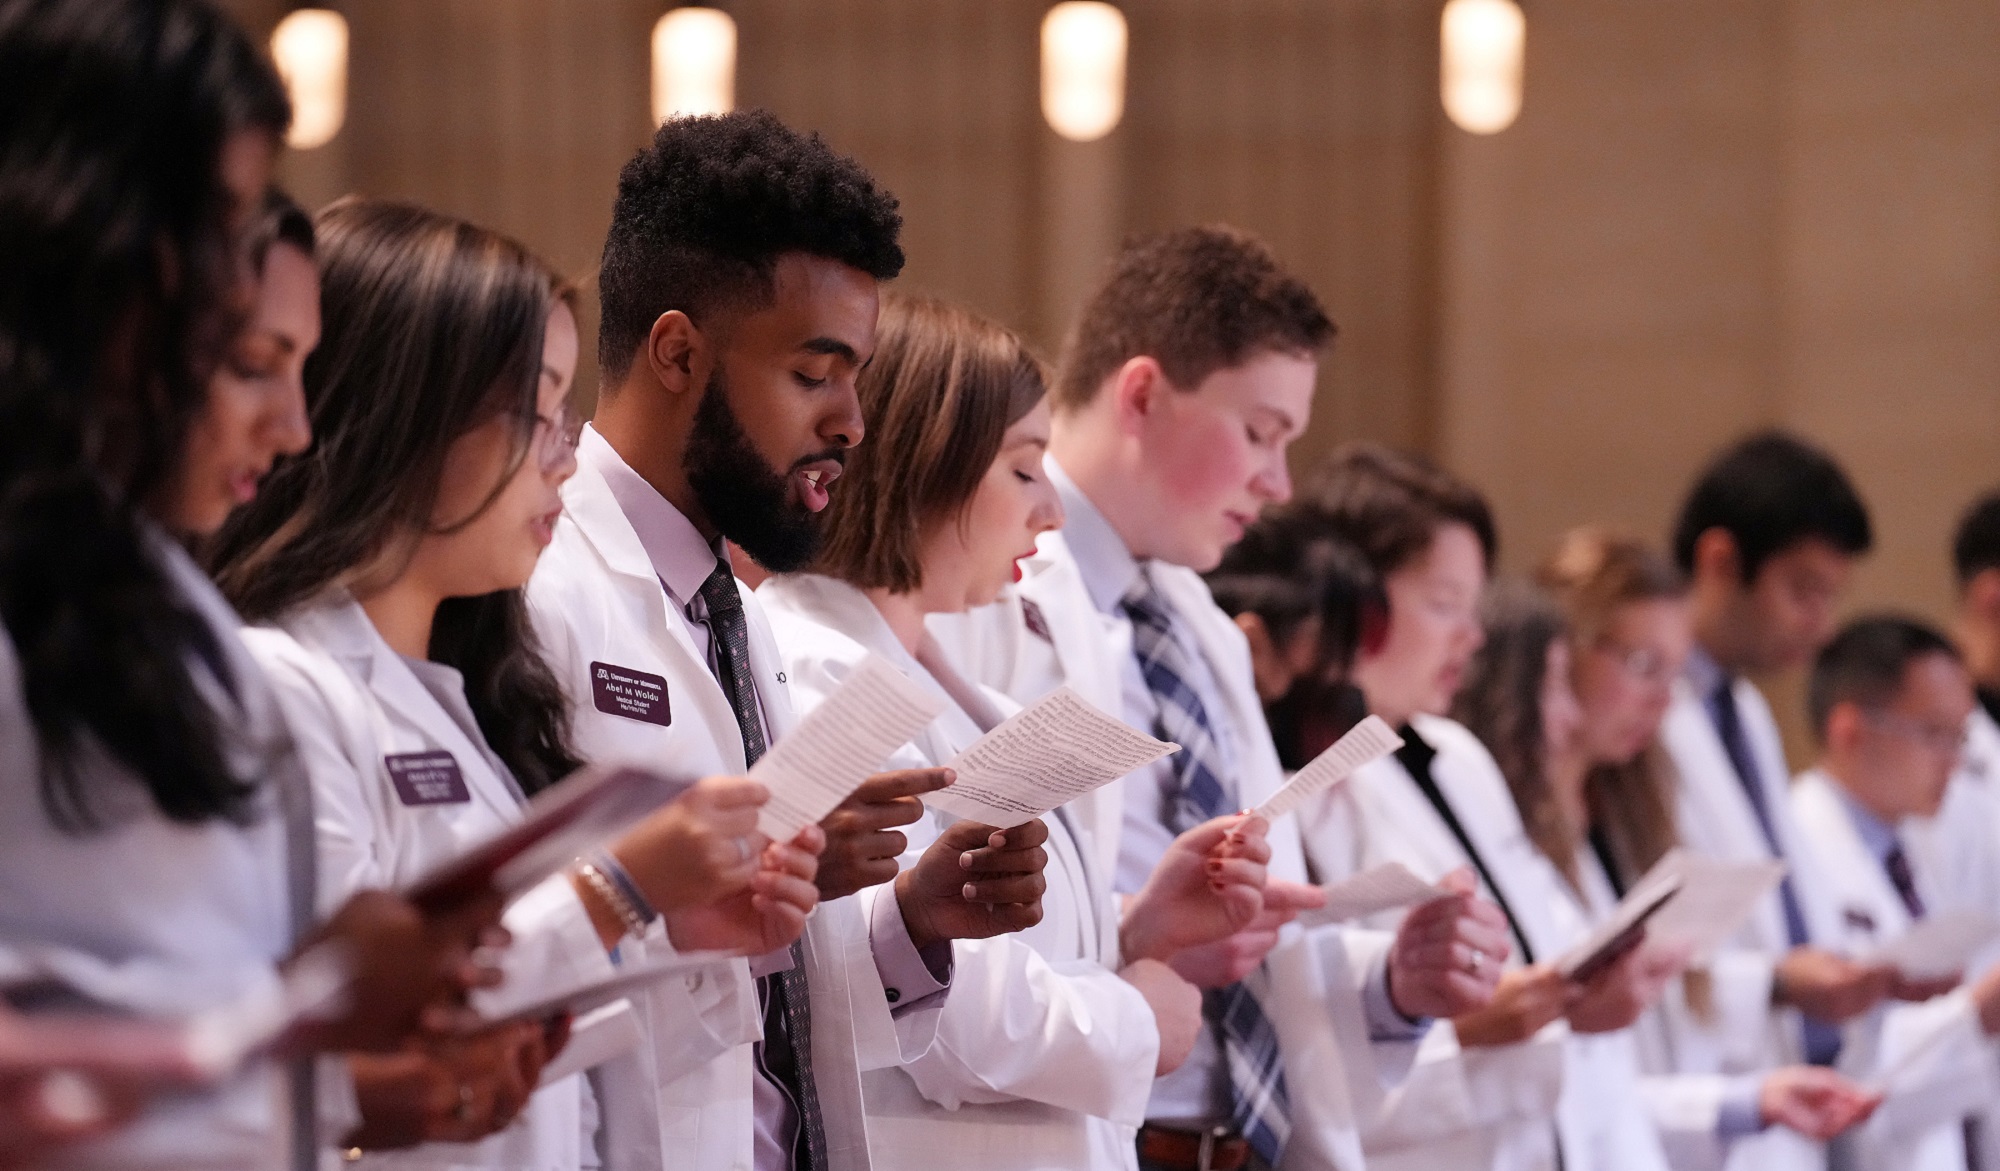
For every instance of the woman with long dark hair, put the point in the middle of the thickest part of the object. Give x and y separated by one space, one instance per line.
389 562
150 808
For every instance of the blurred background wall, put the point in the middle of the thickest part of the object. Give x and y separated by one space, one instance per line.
1711 215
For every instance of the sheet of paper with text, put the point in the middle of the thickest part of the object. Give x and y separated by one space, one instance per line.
1047 754
840 744
1369 740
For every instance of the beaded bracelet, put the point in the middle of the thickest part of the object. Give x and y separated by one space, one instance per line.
608 864
606 890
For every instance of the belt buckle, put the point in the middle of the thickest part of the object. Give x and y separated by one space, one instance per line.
1204 1159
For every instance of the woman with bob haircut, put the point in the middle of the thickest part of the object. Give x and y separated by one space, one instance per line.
388 562
1049 1044
152 822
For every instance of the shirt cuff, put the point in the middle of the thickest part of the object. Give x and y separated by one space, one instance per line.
909 975
1386 1022
1740 1115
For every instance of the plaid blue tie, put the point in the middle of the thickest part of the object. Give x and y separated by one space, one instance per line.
1259 1106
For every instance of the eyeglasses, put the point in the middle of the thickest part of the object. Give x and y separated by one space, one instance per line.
1643 664
555 439
1943 741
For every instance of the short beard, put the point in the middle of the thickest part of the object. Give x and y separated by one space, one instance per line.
745 498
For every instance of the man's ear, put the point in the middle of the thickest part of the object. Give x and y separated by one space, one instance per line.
1717 558
1843 727
1982 594
677 353
1135 390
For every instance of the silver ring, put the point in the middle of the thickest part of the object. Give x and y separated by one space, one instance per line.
1477 963
463 1111
743 852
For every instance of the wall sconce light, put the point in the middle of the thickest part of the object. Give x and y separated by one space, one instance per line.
1083 69
694 63
309 47
1480 80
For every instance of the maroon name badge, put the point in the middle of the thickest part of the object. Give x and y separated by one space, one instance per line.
427 778
636 695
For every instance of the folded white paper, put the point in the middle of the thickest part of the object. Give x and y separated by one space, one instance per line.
1715 899
1621 930
1369 740
1045 755
840 744
1938 945
1387 887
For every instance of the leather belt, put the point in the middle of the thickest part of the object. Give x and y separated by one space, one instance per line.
1215 1149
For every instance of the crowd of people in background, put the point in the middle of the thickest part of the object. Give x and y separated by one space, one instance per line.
313 577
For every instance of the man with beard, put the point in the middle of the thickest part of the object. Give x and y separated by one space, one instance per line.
739 291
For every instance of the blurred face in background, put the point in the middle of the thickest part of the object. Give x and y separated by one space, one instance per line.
1433 631
1898 758
1624 678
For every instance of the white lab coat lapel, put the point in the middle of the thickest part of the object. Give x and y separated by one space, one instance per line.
1916 1128
1715 816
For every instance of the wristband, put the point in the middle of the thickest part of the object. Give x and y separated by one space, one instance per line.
608 865
607 891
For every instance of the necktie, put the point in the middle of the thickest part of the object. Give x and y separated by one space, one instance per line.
1416 756
1822 1039
783 995
1259 1103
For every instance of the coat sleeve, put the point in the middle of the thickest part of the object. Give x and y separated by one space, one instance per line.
1065 1033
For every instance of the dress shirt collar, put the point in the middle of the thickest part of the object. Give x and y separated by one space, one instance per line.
1703 673
1107 567
681 558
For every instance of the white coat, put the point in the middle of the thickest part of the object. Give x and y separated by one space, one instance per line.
1959 851
1488 1107
1954 1068
153 917
1044 1056
1743 1034
684 1100
1047 632
353 703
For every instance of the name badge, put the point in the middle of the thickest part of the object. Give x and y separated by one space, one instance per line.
636 695
427 778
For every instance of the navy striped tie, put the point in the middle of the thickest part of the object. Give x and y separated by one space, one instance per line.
1259 1105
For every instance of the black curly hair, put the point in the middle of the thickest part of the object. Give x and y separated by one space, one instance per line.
704 212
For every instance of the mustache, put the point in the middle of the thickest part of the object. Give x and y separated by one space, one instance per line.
837 454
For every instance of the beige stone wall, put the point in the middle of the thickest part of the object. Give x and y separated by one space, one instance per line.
1719 214
1712 214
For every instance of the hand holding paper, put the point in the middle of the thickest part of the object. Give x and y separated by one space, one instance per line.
840 744
1622 931
1048 754
1369 740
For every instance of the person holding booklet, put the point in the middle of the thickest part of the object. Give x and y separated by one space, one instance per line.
157 861
1890 699
1047 1051
739 289
389 564
1188 374
1517 1083
1608 803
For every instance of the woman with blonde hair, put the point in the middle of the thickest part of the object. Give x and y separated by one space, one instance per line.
1608 817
